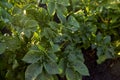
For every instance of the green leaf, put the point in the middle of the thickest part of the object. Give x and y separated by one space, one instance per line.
51 67
31 24
107 39
52 56
51 8
32 56
80 67
93 28
6 4
80 55
72 75
15 64
41 48
72 57
62 66
61 12
99 51
44 1
2 48
33 71
53 25
55 47
62 9
44 76
63 2
101 58
27 32
99 37
74 25
72 21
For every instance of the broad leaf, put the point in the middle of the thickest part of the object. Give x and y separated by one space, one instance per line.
52 56
51 8
33 71
80 67
51 67
32 56
44 76
72 57
63 2
72 75
55 47
107 39
61 12
62 66
74 25
31 24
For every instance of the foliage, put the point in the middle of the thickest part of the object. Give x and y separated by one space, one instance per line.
35 46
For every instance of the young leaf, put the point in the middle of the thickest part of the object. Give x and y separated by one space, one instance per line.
33 71
32 56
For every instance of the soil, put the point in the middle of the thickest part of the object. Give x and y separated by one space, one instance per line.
108 70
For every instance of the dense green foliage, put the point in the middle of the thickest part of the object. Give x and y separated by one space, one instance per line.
44 39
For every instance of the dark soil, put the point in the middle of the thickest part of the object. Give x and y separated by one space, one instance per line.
108 70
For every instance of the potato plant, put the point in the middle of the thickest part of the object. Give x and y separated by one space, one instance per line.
46 39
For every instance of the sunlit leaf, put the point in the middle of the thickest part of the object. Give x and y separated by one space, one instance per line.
101 59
